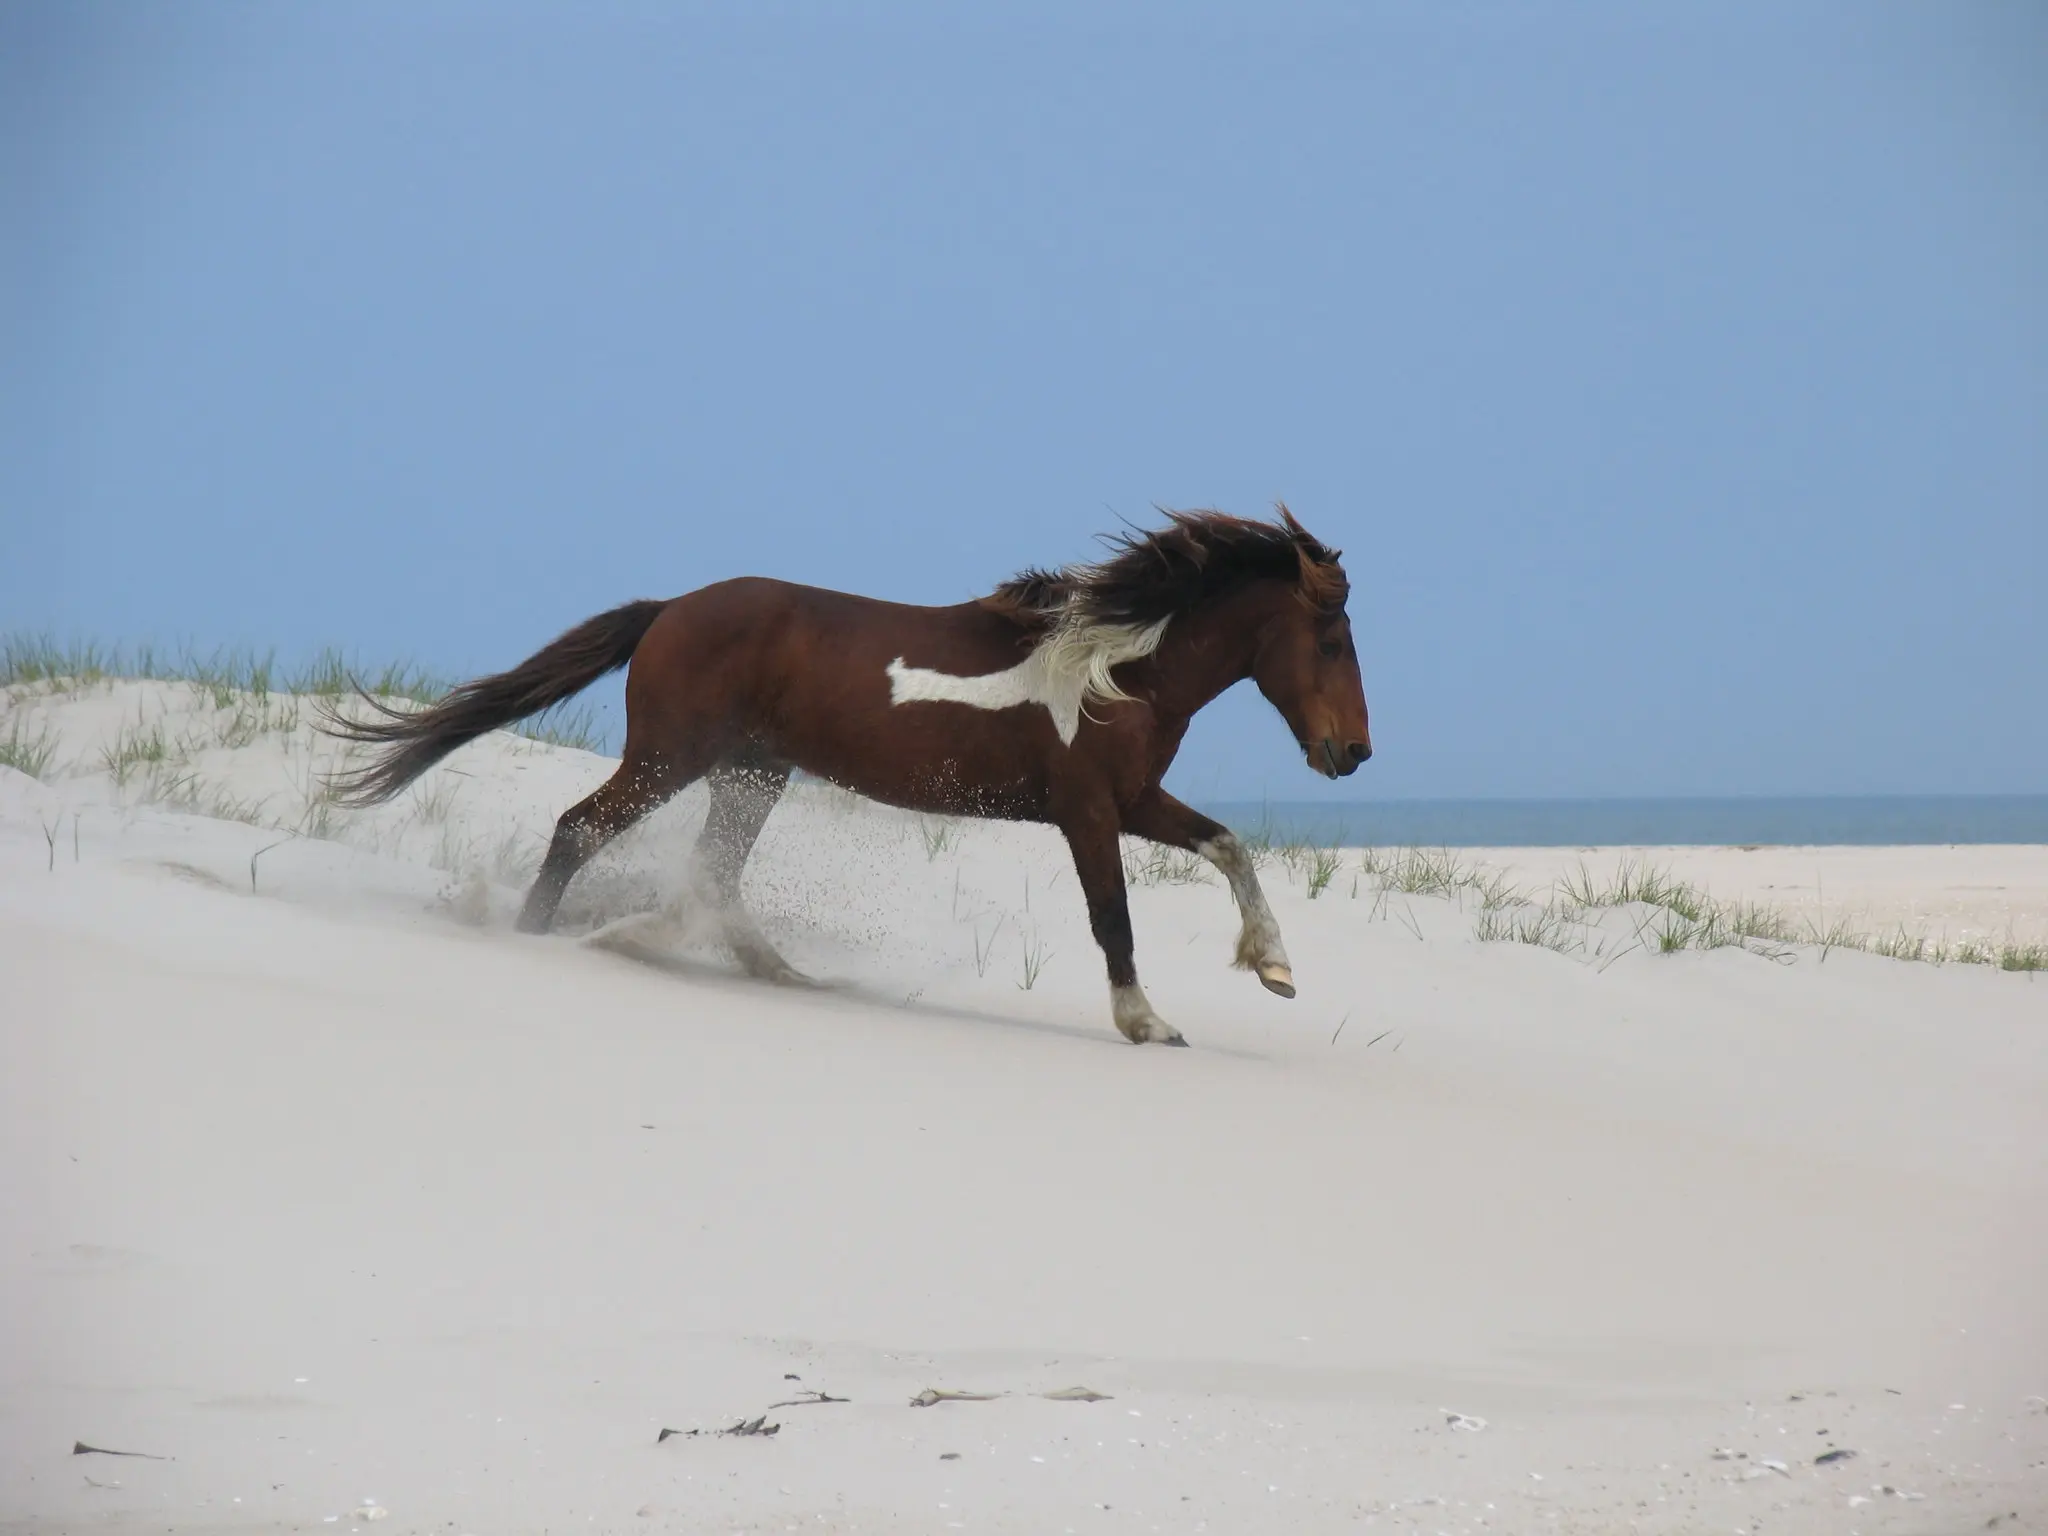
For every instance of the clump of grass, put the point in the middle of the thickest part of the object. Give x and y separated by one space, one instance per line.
1900 945
330 675
1431 872
321 817
2022 957
31 659
1147 863
247 717
134 749
432 805
1035 955
182 790
565 725
1322 869
1413 871
1258 842
1752 920
227 675
939 834
982 951
1547 927
1636 882
28 752
1756 929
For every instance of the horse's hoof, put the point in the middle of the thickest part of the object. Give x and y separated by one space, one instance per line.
1136 1021
1277 978
1163 1034
777 972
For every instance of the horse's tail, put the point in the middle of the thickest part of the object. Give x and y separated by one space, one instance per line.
417 739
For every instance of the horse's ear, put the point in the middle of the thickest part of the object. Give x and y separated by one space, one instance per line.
1324 587
1310 550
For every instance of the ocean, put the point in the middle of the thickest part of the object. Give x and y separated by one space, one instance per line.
1800 820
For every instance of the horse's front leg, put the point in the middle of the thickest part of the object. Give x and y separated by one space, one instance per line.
1091 835
1160 818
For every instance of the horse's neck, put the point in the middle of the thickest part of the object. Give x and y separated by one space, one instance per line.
1201 654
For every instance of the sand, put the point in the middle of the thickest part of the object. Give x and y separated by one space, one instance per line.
342 1198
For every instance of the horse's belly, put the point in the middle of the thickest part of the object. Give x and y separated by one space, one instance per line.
950 758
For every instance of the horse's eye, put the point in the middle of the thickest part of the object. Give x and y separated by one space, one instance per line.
1330 648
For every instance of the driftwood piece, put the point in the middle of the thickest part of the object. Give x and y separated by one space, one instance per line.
810 1396
931 1395
745 1429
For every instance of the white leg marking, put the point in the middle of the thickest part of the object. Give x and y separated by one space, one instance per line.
1135 1018
1258 943
734 925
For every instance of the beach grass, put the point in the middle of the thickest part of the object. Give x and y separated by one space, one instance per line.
244 681
1679 915
27 751
41 661
1149 863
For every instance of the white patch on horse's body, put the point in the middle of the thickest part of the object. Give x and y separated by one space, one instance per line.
1066 671
1258 942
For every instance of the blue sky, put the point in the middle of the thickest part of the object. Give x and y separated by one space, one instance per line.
1674 377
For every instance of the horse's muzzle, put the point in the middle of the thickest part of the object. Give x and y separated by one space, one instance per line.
1333 761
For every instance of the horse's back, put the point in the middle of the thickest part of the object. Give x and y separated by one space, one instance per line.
786 624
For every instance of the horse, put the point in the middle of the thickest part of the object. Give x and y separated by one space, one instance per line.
1061 697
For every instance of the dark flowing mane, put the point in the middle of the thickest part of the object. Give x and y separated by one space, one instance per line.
1164 572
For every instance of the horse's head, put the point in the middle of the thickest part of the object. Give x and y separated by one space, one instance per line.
1307 667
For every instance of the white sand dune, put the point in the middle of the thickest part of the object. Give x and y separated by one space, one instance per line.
341 1198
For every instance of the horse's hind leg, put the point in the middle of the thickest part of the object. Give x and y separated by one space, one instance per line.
742 796
640 784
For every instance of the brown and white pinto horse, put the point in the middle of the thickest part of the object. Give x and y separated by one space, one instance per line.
1061 697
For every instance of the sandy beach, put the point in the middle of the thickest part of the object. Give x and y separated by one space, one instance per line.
345 1207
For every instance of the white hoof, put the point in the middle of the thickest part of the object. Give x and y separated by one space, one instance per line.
1277 977
1136 1020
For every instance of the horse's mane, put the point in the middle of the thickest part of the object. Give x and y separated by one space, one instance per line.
1150 577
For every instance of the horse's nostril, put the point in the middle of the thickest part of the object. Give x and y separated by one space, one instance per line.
1360 751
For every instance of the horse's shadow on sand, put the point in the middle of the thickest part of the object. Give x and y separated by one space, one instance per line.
625 944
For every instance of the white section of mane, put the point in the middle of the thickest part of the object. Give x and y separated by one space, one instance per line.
1066 671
